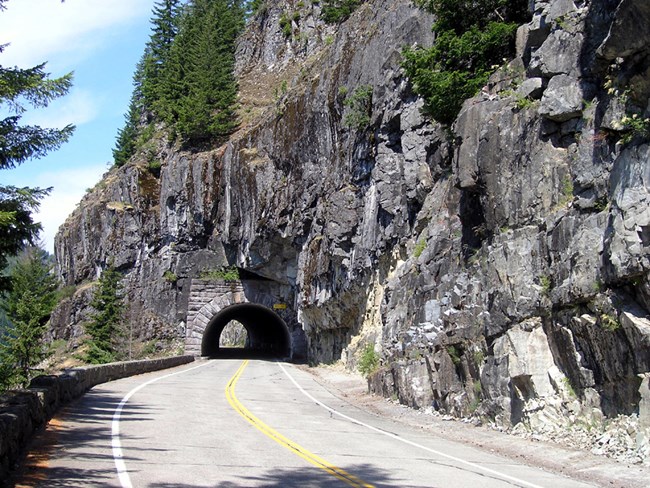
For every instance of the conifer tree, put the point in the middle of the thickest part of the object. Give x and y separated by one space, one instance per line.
27 308
199 83
104 326
165 23
19 143
127 137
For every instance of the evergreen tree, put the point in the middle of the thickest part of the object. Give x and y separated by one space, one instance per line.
20 143
104 326
27 307
127 137
199 89
165 22
208 110
186 76
147 78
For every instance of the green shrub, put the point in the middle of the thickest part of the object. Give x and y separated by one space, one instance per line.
335 11
170 277
609 322
359 105
368 361
546 284
419 248
285 25
227 273
472 36
154 168
454 354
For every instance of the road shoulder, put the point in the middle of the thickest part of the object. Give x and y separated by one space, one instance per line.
573 463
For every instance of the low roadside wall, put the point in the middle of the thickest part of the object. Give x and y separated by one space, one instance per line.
23 412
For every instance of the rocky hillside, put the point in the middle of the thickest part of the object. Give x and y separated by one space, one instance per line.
499 269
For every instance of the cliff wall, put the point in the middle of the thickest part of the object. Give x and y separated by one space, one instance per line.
500 270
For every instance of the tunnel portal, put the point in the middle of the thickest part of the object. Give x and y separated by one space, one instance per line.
268 335
263 307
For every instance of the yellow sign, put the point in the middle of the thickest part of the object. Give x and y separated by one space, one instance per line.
280 306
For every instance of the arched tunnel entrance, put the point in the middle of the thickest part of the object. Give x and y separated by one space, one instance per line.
268 335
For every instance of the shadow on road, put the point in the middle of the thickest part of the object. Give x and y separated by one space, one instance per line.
243 353
82 430
309 477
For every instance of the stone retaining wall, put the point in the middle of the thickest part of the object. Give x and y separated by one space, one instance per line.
22 412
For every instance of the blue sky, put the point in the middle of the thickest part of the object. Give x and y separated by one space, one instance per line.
101 41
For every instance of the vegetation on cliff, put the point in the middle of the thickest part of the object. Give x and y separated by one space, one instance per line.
335 11
471 38
185 78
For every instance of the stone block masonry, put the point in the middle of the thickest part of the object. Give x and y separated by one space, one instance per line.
23 412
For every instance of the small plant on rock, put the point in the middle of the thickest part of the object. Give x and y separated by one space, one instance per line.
368 361
609 322
419 248
227 273
546 284
170 277
359 105
454 354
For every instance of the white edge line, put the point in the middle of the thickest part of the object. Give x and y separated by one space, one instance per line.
406 441
118 456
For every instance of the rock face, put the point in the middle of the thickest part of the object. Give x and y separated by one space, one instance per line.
501 272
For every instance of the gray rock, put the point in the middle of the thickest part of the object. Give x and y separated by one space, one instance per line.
562 99
531 88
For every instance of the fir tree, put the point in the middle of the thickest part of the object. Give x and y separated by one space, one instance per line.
199 87
19 143
165 23
104 326
127 138
27 308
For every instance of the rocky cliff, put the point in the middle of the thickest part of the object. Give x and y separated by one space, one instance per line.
499 269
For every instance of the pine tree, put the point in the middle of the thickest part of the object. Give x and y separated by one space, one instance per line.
186 76
199 86
126 143
27 307
165 23
20 143
104 326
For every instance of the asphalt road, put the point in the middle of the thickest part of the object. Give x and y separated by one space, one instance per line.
233 423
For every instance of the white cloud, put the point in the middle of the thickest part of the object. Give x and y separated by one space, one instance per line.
69 186
77 107
39 30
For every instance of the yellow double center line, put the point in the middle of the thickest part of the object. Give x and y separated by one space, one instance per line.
283 441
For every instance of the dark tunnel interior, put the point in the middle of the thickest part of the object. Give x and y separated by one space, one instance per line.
268 335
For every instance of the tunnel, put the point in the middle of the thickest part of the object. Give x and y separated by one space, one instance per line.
268 335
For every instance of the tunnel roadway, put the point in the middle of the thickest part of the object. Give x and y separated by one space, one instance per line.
233 423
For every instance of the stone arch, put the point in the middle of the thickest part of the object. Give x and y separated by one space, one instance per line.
263 307
267 332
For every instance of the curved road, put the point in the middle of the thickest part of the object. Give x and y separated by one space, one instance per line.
233 423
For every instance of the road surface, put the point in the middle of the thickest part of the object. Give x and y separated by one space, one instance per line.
233 423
